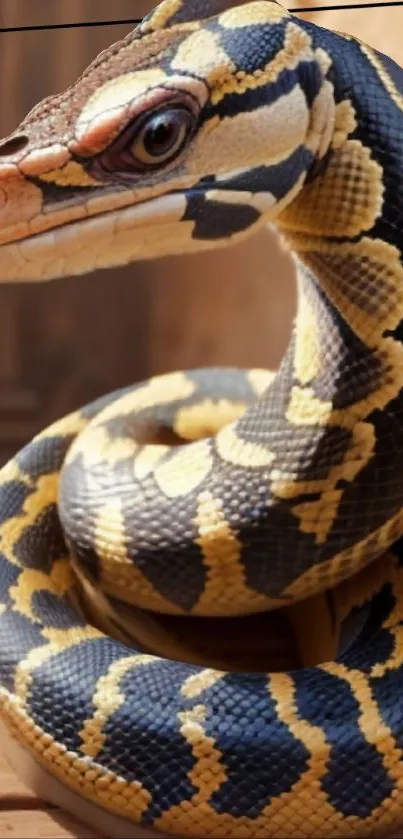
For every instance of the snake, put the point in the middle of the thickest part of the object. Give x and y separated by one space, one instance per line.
213 495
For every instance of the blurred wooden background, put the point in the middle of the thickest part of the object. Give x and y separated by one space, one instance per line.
65 343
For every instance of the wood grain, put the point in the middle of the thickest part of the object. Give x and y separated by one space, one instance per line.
44 824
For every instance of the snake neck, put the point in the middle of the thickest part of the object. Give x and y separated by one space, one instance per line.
333 418
345 228
307 486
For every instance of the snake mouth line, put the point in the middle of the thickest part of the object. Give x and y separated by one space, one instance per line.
155 227
112 238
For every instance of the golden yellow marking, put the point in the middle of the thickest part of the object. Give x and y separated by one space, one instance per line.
387 569
297 46
324 60
109 531
45 493
202 52
358 454
159 390
206 418
30 581
395 659
370 294
96 446
194 715
270 133
344 124
282 691
83 775
251 14
260 380
147 459
343 201
185 470
3 608
161 15
319 516
376 304
71 174
59 640
120 577
208 773
118 92
308 354
233 449
225 592
108 698
11 471
278 818
291 195
321 126
260 201
347 562
383 75
304 408
122 580
192 729
199 682
370 721
73 423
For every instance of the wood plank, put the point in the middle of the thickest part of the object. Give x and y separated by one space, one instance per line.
11 788
45 824
24 815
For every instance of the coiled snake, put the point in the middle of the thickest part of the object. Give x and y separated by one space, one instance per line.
210 119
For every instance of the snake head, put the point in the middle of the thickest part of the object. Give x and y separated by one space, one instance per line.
199 126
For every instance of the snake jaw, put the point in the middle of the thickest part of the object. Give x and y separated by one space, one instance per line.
73 201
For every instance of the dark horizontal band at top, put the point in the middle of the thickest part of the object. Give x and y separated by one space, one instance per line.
130 21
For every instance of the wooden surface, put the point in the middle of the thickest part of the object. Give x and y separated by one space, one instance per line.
53 352
23 816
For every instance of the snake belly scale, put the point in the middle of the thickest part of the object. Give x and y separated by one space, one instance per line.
208 121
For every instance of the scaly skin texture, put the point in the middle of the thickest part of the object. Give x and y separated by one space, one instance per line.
209 120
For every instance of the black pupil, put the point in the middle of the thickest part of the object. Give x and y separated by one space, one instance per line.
162 134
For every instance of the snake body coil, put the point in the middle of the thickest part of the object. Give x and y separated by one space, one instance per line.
208 121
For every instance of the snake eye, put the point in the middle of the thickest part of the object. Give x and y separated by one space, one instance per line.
149 142
161 136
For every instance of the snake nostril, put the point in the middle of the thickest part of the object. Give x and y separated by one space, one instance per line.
14 145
